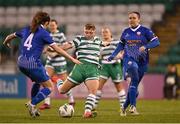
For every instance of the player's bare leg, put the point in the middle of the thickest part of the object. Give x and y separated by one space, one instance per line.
69 93
64 87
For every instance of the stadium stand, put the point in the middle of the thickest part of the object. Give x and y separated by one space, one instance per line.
20 16
167 31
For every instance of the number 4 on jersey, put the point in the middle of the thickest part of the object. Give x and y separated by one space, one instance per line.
28 41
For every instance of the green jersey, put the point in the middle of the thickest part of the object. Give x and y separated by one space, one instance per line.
106 51
59 38
88 50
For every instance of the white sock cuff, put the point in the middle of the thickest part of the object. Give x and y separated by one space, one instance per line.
47 100
122 92
32 104
59 82
92 95
99 92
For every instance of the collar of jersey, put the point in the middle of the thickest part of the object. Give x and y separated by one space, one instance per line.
92 39
42 26
57 31
135 28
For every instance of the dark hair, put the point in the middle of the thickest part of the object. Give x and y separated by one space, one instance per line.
137 13
90 26
39 18
54 20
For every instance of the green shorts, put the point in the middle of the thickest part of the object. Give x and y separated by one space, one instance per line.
58 69
112 70
84 72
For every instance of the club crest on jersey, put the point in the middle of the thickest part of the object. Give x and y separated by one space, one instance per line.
126 74
138 33
130 63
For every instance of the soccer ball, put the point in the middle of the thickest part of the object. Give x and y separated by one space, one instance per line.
66 110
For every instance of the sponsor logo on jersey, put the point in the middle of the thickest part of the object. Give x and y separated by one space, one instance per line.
127 35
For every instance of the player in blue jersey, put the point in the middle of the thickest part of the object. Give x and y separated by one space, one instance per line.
56 65
33 40
136 42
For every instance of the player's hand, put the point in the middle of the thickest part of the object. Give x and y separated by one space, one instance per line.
51 54
7 41
142 49
120 55
49 48
7 44
76 61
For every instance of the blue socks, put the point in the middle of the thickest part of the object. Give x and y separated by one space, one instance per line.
133 73
127 102
132 95
41 95
35 89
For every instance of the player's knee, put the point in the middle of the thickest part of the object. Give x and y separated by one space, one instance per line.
93 91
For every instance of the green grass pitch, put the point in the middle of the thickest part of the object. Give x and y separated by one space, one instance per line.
151 111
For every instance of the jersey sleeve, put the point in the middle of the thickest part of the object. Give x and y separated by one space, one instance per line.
48 39
76 41
101 43
153 40
63 38
122 38
150 35
19 33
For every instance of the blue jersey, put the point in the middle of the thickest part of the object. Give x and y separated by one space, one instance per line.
133 39
32 45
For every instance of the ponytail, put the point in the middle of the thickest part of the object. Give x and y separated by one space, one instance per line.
38 19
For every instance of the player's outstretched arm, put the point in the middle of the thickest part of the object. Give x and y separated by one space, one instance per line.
119 55
66 46
116 51
50 51
8 39
152 44
65 54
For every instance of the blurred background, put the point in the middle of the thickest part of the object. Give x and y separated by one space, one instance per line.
162 16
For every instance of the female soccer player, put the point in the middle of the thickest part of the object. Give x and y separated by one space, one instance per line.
88 52
33 40
111 69
55 63
136 42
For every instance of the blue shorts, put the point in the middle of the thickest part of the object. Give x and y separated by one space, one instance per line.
127 63
37 75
